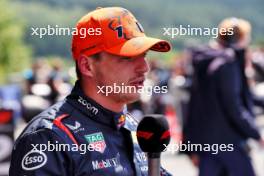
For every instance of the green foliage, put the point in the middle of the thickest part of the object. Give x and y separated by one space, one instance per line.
154 15
14 54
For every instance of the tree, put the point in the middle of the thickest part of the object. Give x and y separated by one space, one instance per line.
15 55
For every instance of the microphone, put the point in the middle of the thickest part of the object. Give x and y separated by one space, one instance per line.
153 136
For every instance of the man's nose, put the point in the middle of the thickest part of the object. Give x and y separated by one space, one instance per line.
142 65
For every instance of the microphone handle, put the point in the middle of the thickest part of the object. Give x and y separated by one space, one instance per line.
153 164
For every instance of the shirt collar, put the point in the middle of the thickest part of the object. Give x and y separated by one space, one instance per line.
94 110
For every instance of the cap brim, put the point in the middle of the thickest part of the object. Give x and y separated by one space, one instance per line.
139 45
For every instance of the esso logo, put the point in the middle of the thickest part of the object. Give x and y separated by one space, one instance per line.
34 160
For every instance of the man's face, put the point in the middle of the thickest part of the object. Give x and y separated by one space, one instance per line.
121 71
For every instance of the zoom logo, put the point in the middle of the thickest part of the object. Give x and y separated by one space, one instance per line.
33 160
91 108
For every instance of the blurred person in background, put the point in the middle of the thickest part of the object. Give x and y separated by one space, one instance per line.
58 82
179 85
159 75
221 104
45 84
38 74
36 89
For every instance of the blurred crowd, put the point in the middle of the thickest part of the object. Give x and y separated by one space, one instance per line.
42 85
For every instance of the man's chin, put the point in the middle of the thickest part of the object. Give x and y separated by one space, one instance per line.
131 98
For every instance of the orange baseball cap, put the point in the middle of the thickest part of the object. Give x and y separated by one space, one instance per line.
114 30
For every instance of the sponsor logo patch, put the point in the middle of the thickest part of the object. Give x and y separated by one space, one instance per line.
34 159
88 106
75 128
121 120
97 140
107 163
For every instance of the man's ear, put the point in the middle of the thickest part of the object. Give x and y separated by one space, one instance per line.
85 65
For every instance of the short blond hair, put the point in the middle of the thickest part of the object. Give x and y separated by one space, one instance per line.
241 29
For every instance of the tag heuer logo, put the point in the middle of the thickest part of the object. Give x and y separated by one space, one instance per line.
96 139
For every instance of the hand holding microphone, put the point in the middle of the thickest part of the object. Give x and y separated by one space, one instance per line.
153 136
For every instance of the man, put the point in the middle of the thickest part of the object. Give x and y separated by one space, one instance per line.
221 104
114 54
